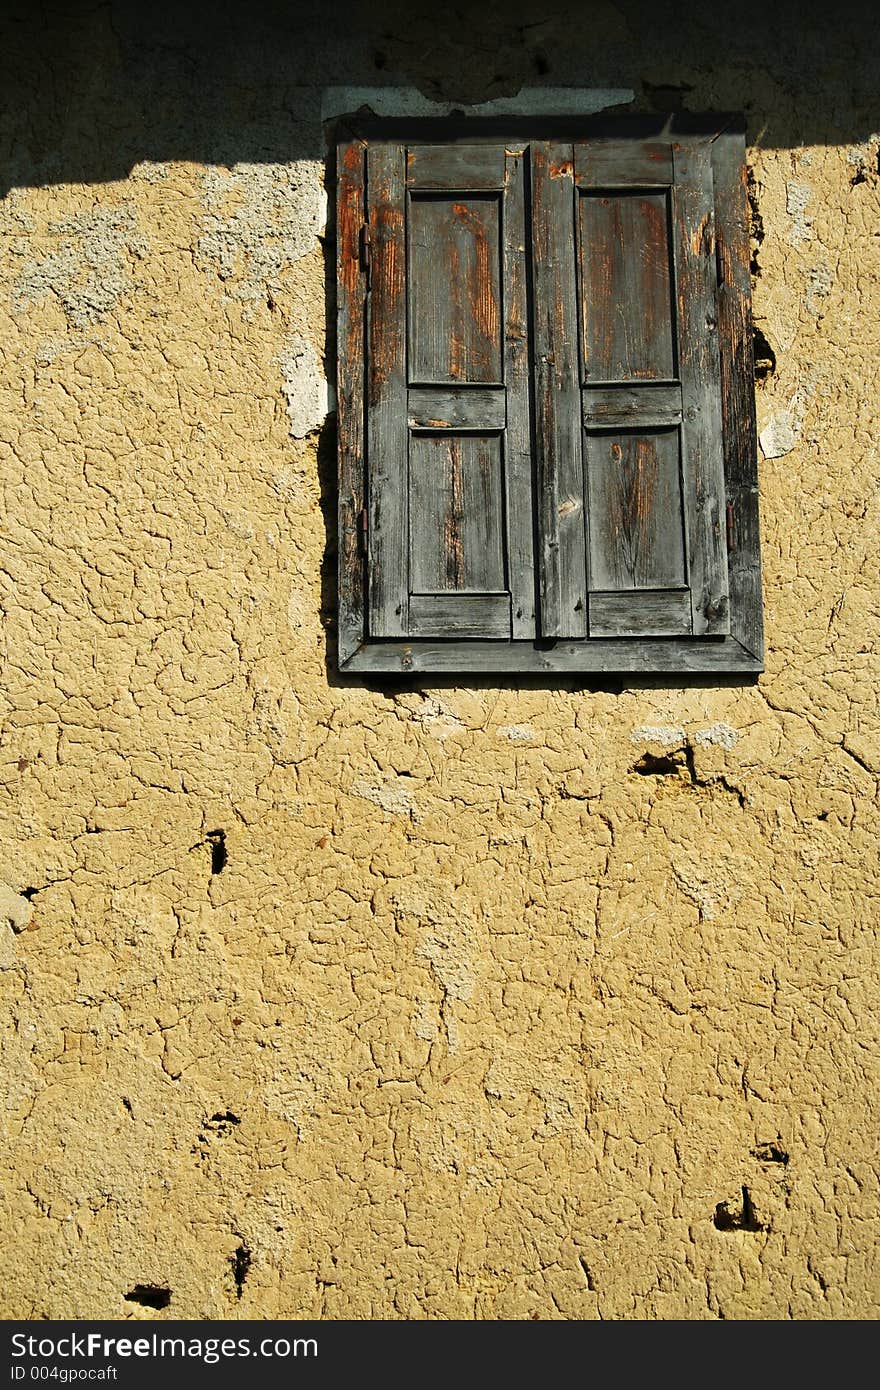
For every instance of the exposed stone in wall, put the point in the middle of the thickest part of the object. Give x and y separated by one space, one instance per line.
492 1000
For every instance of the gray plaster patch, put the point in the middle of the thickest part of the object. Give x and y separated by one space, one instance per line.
59 345
797 197
150 171
722 734
392 796
14 220
88 271
517 733
819 282
529 101
259 220
864 157
784 428
304 386
667 735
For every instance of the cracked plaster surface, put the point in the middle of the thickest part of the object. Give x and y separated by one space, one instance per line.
511 991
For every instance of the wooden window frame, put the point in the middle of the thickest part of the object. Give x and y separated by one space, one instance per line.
739 654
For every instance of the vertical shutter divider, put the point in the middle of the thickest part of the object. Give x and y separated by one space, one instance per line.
563 583
738 389
351 376
517 435
700 372
388 537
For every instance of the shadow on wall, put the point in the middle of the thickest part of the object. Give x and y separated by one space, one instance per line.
90 91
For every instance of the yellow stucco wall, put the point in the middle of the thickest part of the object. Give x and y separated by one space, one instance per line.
477 1019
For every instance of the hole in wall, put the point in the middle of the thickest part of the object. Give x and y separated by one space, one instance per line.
588 1274
29 893
240 1261
757 222
771 1153
219 857
657 765
734 1215
149 1296
765 357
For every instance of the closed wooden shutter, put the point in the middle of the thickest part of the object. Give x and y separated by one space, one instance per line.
629 387
448 435
547 441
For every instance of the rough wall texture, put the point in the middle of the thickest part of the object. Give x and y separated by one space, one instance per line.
318 999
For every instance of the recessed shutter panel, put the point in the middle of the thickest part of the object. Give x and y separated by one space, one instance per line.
642 259
449 449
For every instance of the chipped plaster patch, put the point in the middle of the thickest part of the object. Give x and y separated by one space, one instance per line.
304 386
667 735
444 945
784 428
392 796
15 221
712 885
15 910
434 717
15 914
50 349
819 282
797 198
721 734
864 157
446 939
151 171
259 220
88 272
517 733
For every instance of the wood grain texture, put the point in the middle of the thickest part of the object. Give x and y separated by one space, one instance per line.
622 164
699 366
475 627
640 615
465 615
737 388
634 499
471 167
641 406
562 550
625 287
455 289
457 408
386 411
350 381
518 461
638 656
456 514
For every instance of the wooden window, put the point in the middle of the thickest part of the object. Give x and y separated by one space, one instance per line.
546 407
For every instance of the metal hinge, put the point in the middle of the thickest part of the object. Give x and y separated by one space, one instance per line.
362 529
365 252
731 528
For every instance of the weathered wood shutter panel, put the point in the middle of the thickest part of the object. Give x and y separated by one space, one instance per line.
547 453
449 448
563 578
628 229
